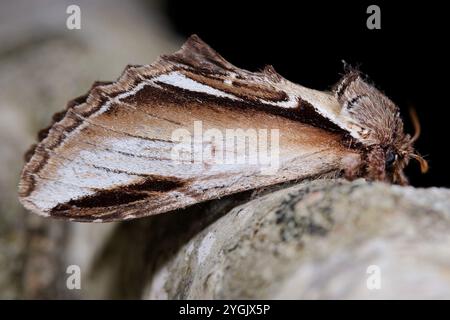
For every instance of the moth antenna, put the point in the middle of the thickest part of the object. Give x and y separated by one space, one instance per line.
423 163
416 124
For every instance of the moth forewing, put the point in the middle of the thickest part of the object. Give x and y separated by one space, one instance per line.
126 173
188 128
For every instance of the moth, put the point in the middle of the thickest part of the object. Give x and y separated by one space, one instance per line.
109 155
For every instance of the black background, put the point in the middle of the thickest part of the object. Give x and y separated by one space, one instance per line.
306 42
284 309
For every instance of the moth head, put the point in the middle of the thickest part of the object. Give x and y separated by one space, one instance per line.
397 156
376 122
397 159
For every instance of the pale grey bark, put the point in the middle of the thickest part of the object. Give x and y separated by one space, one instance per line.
317 240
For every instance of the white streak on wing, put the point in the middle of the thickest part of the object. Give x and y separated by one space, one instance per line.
290 103
115 161
340 121
181 81
81 176
49 195
324 103
138 147
138 165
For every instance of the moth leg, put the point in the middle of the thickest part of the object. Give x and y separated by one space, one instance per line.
376 165
400 178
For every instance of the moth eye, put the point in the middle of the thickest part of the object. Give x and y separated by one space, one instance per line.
391 157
